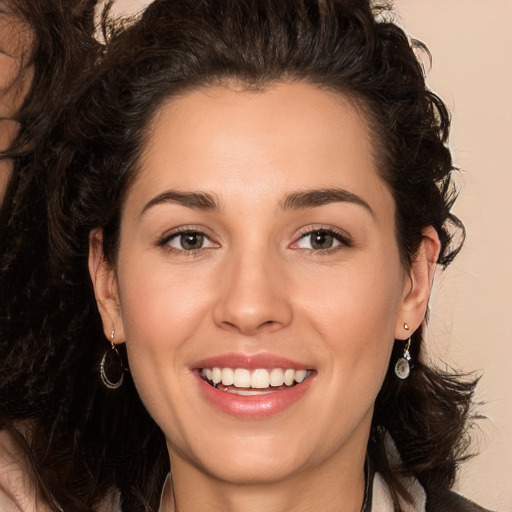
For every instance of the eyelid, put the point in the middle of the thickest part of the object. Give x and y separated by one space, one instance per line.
339 234
163 240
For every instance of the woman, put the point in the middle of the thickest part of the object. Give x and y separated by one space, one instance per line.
260 192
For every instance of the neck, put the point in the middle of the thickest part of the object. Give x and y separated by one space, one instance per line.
334 487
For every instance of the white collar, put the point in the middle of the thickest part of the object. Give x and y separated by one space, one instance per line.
382 501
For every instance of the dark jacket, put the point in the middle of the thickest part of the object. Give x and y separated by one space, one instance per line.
443 500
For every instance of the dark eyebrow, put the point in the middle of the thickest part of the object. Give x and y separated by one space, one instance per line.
314 198
195 200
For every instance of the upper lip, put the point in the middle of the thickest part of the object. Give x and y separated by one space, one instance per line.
250 362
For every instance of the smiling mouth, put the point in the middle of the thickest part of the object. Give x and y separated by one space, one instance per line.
241 381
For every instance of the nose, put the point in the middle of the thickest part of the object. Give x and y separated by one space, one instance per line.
254 296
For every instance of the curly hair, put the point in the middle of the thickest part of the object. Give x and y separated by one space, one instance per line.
86 440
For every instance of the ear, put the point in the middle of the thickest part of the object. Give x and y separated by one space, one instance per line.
104 281
419 283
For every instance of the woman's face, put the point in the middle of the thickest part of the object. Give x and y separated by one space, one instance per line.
258 244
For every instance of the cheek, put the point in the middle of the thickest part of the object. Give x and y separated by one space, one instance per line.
160 312
362 299
161 308
355 314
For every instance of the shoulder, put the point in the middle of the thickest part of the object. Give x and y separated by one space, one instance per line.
443 500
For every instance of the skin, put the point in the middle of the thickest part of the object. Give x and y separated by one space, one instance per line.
258 285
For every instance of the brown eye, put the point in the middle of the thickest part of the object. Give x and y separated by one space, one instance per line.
191 241
321 240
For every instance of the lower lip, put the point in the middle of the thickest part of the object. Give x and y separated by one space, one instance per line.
256 406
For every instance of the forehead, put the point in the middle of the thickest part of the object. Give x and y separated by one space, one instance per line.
288 136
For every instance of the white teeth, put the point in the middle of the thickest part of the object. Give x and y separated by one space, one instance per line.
289 377
260 378
216 375
227 376
276 377
242 378
300 375
249 391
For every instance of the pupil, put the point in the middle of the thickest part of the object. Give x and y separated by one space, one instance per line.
191 241
321 240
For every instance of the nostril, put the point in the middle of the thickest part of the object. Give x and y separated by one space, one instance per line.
250 306
251 328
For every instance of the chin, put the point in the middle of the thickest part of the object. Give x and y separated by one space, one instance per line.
243 471
247 459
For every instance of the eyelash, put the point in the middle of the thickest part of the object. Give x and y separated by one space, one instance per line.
338 235
164 242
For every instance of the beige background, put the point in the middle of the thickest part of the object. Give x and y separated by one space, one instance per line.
471 44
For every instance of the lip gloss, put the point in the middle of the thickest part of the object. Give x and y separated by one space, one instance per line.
259 405
255 406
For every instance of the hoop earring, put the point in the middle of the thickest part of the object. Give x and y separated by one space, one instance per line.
111 366
402 366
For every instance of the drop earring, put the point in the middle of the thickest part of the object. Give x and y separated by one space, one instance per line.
402 366
111 366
